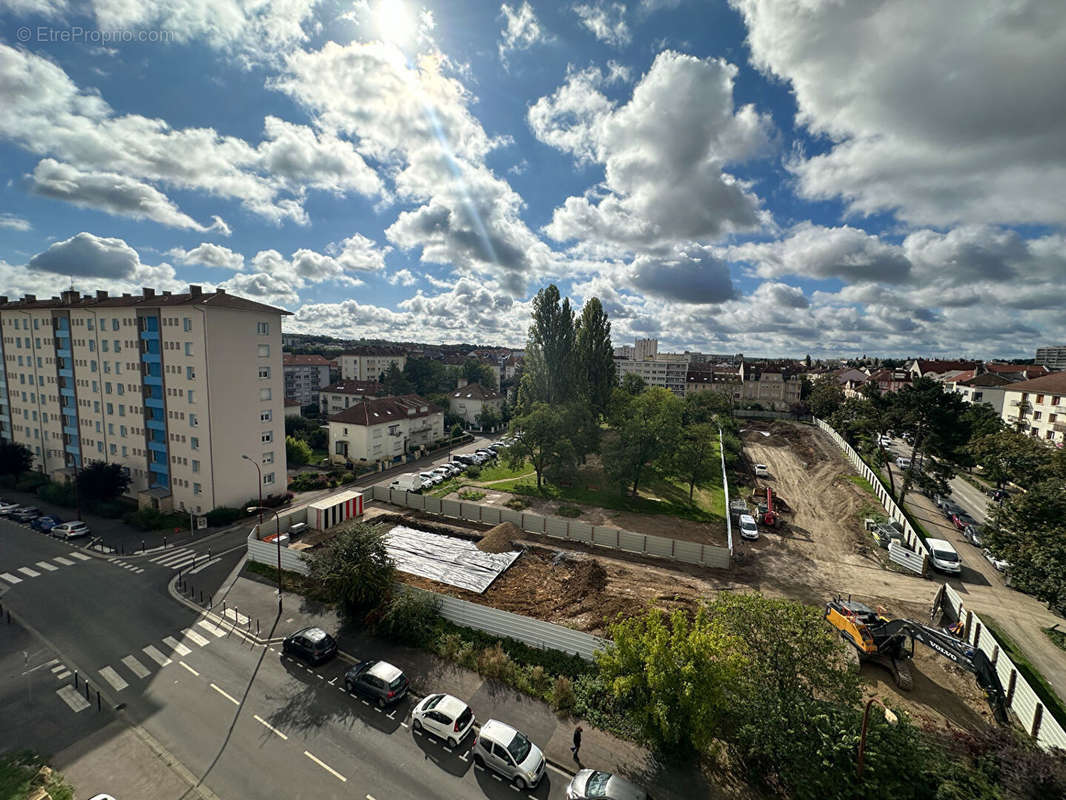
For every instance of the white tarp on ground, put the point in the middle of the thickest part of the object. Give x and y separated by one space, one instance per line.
446 559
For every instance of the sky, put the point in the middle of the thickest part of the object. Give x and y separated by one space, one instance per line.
772 177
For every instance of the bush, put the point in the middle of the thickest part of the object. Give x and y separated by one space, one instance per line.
569 511
471 495
517 503
60 494
309 482
473 472
563 698
493 662
224 515
409 618
149 519
30 481
270 501
112 509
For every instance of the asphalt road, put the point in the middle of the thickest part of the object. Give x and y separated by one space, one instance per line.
244 720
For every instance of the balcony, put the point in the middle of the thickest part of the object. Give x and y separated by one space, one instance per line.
153 380
155 424
1059 426
72 449
153 402
71 430
158 447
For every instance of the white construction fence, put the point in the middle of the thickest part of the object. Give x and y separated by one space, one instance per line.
560 528
1032 715
913 541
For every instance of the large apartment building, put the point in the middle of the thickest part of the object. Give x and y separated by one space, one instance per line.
1054 358
304 376
368 363
174 387
667 370
1038 408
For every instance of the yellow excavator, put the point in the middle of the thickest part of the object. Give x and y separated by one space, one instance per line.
890 643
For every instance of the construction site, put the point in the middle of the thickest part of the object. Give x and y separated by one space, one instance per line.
817 549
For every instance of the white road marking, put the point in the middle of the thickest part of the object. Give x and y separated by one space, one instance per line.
192 635
136 667
131 566
207 626
171 555
62 676
139 570
72 698
194 672
334 681
326 767
79 556
7 576
236 616
404 724
205 565
112 677
181 562
153 653
176 646
66 562
58 668
229 697
269 727
464 756
46 566
29 573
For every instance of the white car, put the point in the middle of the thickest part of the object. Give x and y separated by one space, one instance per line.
762 471
509 752
1000 564
903 463
432 477
944 556
70 530
446 717
7 508
748 527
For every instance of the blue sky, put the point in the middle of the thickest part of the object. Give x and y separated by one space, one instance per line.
752 175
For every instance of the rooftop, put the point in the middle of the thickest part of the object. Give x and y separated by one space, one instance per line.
72 299
382 410
475 391
1054 383
293 360
361 388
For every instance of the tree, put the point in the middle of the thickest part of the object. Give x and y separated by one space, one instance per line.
102 482
354 569
15 458
297 451
632 384
594 357
981 420
695 459
540 437
478 372
645 427
549 363
935 420
661 670
706 406
488 418
1009 456
826 397
427 376
394 382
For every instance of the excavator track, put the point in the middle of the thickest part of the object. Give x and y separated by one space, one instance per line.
902 672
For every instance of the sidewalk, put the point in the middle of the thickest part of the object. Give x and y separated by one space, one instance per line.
599 749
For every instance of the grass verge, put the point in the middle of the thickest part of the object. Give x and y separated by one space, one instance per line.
23 773
863 484
1057 636
1036 679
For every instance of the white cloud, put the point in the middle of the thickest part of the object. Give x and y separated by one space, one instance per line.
209 255
263 287
521 29
113 193
359 253
104 262
14 222
403 277
699 278
664 153
606 21
940 115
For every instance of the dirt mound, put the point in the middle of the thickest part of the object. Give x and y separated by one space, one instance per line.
587 576
498 539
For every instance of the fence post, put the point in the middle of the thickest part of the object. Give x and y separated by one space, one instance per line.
995 653
1038 716
967 629
977 636
1011 683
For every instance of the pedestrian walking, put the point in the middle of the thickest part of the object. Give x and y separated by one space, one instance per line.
576 746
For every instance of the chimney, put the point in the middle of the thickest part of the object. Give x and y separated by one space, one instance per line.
148 292
30 298
126 294
166 293
220 291
101 294
462 383
71 296
195 291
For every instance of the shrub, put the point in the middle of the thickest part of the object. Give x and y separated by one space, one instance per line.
409 618
473 471
112 509
539 680
224 515
493 662
563 698
471 495
449 645
569 511
270 501
149 519
60 494
517 503
30 481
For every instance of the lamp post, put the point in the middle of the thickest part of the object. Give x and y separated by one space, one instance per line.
277 541
260 472
890 717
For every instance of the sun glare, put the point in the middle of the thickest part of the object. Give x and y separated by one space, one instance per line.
394 21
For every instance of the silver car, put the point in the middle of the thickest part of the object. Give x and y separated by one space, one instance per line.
590 784
509 752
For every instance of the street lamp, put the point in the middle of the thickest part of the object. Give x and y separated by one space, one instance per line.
260 471
277 540
890 717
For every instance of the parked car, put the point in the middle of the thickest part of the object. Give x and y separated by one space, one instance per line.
70 530
45 523
488 454
999 563
313 645
944 556
454 469
950 508
426 484
464 458
748 527
7 508
972 534
446 717
509 752
25 514
592 784
432 477
408 482
962 519
940 499
903 462
762 471
378 681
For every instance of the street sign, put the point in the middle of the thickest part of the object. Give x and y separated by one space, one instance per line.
201 523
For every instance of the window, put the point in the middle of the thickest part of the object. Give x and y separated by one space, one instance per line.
196 488
191 394
195 465
190 373
264 351
193 421
194 442
264 394
92 345
107 387
266 416
114 449
99 447
187 322
110 429
1055 400
266 437
92 366
125 451
264 372
268 457
1050 435
1037 415
88 324
268 479
104 346
262 328
120 389
1052 417
96 406
1039 399
121 430
114 327
121 409
118 346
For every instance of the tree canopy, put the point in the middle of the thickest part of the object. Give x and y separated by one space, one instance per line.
549 362
644 428
103 482
354 568
594 357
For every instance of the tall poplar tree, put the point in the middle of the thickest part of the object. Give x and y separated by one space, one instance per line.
594 357
549 363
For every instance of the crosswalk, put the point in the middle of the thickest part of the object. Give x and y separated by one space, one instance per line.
187 559
41 568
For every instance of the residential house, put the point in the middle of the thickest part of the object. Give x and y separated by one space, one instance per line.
939 370
336 397
708 378
381 430
470 400
891 380
369 363
667 370
986 387
293 407
775 388
304 376
1038 407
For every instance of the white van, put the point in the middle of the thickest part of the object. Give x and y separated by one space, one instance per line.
903 462
762 471
408 482
944 556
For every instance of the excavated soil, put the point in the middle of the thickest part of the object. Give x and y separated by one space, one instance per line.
498 539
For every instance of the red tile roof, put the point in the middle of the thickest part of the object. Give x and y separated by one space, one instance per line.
296 360
475 391
1055 383
383 410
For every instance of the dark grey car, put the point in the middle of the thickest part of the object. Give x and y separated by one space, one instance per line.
313 645
377 681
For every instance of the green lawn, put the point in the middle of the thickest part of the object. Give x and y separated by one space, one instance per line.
499 470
